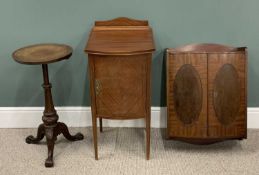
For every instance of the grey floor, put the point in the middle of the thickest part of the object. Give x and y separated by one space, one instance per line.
122 151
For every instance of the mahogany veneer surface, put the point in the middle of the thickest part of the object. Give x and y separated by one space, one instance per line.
208 103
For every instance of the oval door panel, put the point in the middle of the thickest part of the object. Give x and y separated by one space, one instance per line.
226 94
187 90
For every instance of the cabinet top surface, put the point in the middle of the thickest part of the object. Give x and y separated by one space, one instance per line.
120 36
206 48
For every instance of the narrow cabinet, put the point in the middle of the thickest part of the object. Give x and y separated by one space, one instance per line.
206 93
119 54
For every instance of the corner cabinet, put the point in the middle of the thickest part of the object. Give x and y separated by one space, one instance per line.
206 93
120 53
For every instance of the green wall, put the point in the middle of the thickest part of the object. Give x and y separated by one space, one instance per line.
174 22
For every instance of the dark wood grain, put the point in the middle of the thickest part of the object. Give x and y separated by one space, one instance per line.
175 127
51 128
223 74
42 53
187 91
237 125
206 48
226 94
120 53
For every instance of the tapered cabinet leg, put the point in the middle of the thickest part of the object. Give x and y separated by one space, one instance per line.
148 138
95 137
101 124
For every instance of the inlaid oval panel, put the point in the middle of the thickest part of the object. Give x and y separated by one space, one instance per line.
226 94
187 90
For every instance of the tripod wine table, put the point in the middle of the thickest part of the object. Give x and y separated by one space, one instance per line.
44 54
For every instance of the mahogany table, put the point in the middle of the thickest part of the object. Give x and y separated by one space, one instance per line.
51 128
